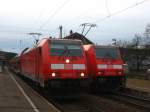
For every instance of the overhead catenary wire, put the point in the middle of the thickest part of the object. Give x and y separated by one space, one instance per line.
117 12
107 8
120 11
53 14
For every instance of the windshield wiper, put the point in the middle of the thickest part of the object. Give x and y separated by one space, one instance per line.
66 51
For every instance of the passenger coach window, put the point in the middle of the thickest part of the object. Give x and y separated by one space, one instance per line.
66 49
107 53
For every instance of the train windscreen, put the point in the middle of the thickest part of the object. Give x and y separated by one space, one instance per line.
107 53
66 49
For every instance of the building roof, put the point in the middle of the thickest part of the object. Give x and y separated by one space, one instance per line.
79 37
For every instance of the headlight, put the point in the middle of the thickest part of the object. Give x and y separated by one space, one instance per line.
100 73
119 73
67 60
82 74
53 74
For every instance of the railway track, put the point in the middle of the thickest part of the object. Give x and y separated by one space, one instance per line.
139 102
85 103
65 103
70 104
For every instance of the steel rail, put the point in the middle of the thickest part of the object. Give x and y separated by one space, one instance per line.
131 99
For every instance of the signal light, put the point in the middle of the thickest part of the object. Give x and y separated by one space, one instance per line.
53 74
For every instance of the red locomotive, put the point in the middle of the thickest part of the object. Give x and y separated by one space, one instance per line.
105 67
55 63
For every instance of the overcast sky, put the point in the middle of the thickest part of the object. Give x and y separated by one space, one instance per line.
19 17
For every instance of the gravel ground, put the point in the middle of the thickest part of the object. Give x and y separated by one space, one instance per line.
143 85
109 105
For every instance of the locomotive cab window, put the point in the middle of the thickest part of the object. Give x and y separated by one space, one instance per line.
107 53
66 49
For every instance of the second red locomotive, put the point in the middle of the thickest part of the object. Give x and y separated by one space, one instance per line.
105 67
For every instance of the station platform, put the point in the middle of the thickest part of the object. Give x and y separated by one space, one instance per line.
139 84
16 96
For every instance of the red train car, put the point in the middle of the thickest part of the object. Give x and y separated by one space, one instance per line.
105 67
55 63
14 64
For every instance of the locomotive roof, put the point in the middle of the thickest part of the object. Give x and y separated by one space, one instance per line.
72 41
54 40
81 37
105 46
60 39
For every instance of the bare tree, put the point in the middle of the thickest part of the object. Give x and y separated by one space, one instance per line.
123 43
136 41
147 34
